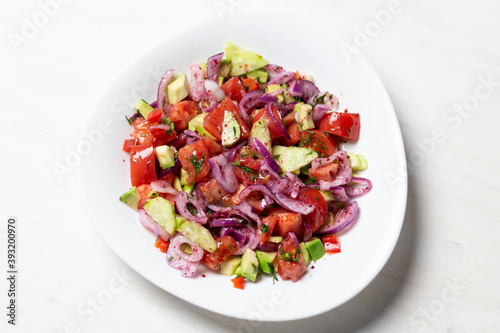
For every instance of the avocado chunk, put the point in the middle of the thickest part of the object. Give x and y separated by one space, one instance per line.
198 234
249 265
143 108
184 177
162 212
260 131
196 125
294 158
286 96
275 239
165 156
315 248
267 259
131 198
229 266
231 130
237 271
358 162
178 89
305 253
177 184
188 188
242 61
273 87
304 112
327 195
259 74
278 150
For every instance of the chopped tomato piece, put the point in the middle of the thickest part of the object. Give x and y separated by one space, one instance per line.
213 147
331 243
162 137
181 113
318 141
294 132
155 116
212 191
250 84
267 227
274 130
286 222
138 123
238 282
342 124
143 191
314 197
234 89
226 246
142 136
128 144
291 263
213 121
161 245
325 172
194 159
142 165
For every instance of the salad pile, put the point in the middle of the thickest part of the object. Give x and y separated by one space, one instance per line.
240 168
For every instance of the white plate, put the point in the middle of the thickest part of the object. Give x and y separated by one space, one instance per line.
104 172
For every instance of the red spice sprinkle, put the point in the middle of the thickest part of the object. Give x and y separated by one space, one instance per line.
312 267
203 275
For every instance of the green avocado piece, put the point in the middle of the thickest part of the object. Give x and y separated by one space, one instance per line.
196 125
249 265
305 116
229 266
178 89
231 130
198 234
224 68
273 87
265 259
275 239
165 156
303 250
242 61
131 198
162 212
315 248
260 131
143 108
237 271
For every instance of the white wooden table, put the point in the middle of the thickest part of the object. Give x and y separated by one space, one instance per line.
440 61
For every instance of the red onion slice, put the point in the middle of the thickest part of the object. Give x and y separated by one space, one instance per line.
162 186
268 247
196 251
174 260
161 127
148 222
343 218
154 104
358 191
309 90
247 210
196 86
225 222
273 70
276 121
213 64
251 241
283 77
318 113
170 170
223 173
208 103
294 89
181 201
267 98
343 176
161 99
213 87
268 158
248 101
294 239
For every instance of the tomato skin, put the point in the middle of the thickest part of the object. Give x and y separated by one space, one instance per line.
155 116
270 222
143 191
286 222
181 113
318 141
213 121
234 89
128 144
273 128
197 151
320 214
162 137
294 132
250 84
142 136
226 246
290 269
342 124
139 123
213 147
331 243
239 282
142 165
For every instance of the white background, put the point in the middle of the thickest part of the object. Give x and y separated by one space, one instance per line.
434 58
